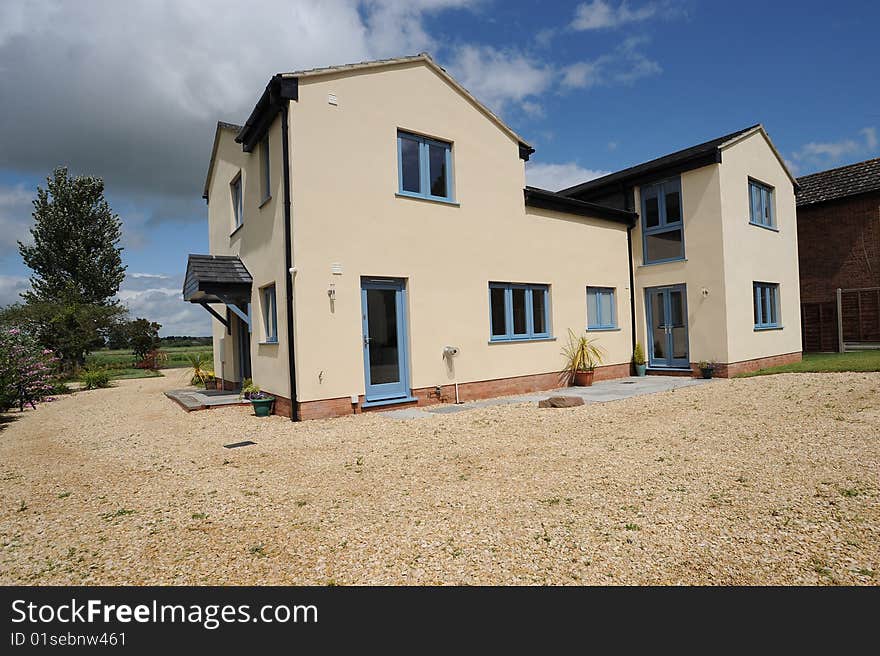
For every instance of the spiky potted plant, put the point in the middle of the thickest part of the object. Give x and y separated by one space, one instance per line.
582 355
640 364
261 401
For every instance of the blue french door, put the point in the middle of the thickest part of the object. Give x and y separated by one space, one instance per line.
386 360
667 327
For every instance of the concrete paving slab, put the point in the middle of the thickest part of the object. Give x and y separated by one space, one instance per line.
600 392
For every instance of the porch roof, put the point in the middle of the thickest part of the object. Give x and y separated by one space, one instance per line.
216 279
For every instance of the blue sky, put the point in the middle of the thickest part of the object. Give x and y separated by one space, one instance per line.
131 93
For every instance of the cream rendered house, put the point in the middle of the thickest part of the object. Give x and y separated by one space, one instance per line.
373 245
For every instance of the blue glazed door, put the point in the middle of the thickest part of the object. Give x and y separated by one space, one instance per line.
386 369
667 327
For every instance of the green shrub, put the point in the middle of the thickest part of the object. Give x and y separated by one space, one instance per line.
95 378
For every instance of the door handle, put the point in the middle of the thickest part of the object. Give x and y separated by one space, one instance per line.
366 341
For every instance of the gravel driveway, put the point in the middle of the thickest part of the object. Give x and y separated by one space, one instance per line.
768 480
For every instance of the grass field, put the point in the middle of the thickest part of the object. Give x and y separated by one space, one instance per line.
825 363
119 361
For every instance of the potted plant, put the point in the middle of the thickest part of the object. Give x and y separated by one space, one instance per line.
199 371
639 362
210 380
707 368
582 354
261 401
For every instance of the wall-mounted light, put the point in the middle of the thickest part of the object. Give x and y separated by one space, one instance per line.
705 292
331 292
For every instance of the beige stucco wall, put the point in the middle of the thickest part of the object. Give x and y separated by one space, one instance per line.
701 213
260 244
725 254
344 180
752 253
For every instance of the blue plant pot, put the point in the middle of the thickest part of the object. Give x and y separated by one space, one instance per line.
641 369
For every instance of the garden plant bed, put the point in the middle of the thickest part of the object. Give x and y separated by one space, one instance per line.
766 480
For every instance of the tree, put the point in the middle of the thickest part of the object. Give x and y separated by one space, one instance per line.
77 268
143 336
25 370
69 329
75 255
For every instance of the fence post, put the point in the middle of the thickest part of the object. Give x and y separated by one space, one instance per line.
839 320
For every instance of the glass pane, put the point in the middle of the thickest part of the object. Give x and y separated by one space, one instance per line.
496 298
605 311
382 328
673 207
663 246
757 304
767 197
437 158
771 304
658 326
652 212
755 203
409 165
677 323
539 311
519 312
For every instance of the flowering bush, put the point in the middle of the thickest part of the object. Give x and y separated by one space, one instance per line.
26 370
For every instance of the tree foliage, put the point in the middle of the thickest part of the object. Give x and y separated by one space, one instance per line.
143 336
75 253
26 370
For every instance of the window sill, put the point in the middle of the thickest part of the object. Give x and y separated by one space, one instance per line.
650 264
522 339
426 199
234 232
612 329
761 225
264 201
269 343
761 329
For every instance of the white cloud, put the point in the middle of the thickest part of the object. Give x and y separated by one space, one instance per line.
823 154
499 78
599 14
559 176
624 65
11 288
152 79
158 297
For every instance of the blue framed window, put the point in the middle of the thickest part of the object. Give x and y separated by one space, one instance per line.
518 311
761 211
766 301
662 225
601 308
237 200
264 169
424 167
270 314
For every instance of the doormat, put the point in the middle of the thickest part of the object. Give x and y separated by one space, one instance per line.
628 382
238 444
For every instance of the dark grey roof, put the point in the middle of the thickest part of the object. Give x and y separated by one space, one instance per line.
701 154
210 275
841 182
552 200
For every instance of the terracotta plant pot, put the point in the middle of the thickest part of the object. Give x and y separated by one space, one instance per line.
583 378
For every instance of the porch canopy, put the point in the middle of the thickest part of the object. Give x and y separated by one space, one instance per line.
219 279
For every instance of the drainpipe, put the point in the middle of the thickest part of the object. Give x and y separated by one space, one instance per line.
632 286
288 259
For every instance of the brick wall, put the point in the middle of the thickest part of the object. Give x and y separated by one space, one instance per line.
838 246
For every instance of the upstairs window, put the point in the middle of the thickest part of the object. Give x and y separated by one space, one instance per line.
761 205
424 167
766 300
518 311
601 313
270 315
264 169
662 226
237 200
